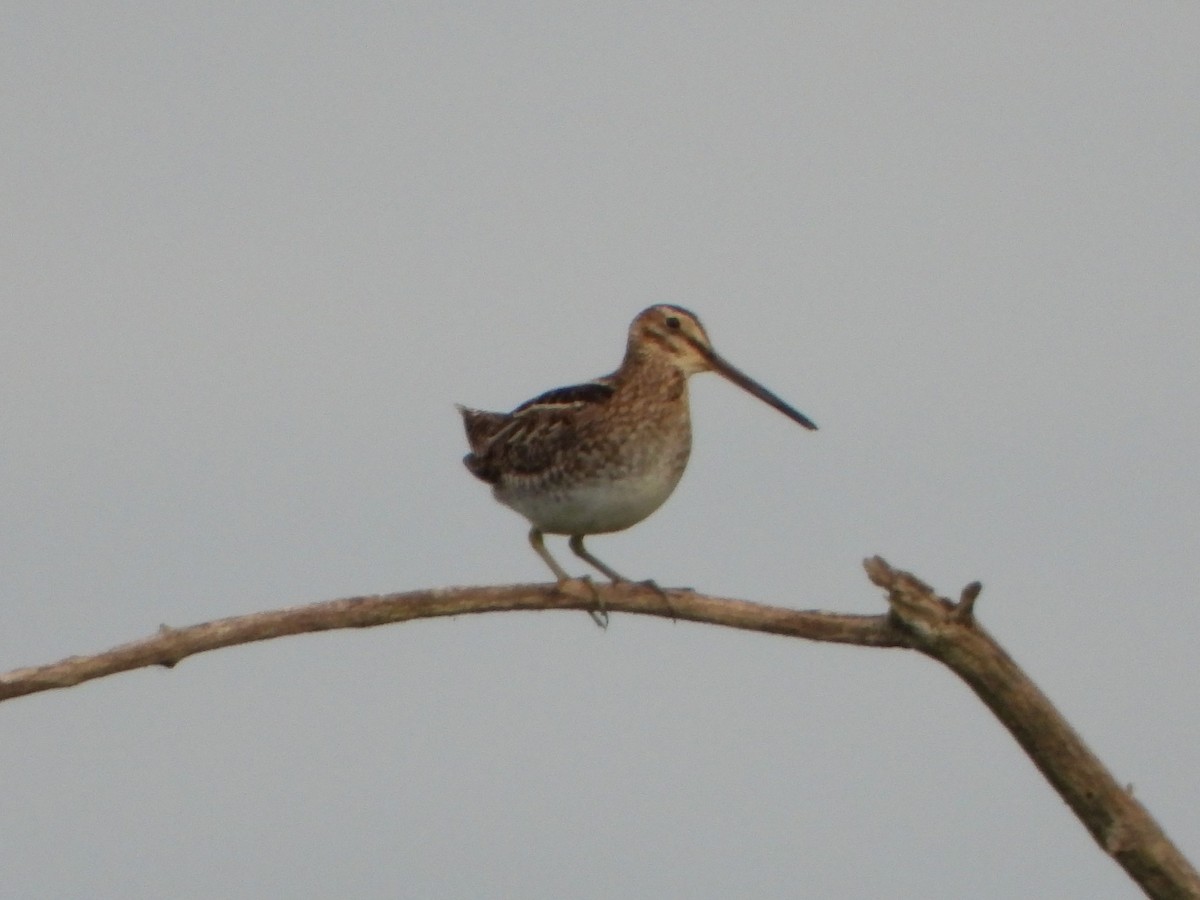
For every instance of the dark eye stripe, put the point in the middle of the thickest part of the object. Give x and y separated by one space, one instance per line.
672 322
653 337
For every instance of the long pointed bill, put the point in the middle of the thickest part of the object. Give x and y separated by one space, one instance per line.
748 384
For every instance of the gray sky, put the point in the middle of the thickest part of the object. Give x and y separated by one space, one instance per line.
251 257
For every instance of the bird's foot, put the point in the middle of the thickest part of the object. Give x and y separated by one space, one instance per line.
599 613
653 585
599 610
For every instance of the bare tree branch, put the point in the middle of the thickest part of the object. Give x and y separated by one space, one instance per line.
1120 824
918 619
170 645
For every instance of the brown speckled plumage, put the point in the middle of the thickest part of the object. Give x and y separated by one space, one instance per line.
601 456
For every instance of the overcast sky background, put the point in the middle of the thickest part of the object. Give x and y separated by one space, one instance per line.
253 253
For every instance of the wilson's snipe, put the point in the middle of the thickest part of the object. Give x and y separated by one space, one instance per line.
599 457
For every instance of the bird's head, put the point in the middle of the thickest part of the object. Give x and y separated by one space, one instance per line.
675 336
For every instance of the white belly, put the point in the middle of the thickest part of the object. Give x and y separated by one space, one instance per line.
596 507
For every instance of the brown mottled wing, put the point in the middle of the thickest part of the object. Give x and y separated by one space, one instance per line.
537 434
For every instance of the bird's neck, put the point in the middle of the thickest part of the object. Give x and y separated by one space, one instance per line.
651 375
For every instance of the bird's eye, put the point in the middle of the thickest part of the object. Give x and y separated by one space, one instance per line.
673 322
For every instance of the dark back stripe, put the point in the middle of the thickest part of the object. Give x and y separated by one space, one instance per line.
590 392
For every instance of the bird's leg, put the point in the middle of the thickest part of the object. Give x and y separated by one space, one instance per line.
539 547
599 614
576 545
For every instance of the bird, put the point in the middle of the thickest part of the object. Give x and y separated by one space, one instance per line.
599 457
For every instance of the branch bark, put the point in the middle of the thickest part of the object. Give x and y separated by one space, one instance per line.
949 633
917 619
